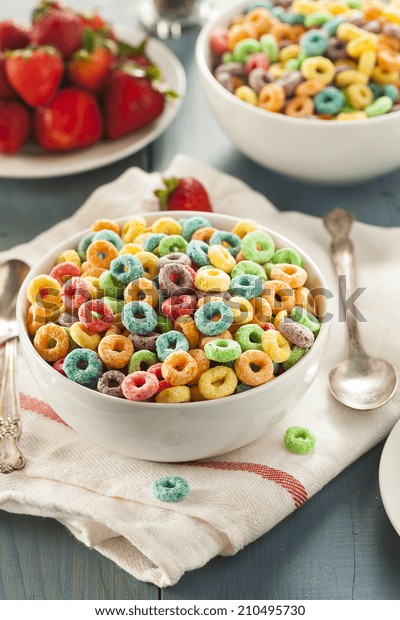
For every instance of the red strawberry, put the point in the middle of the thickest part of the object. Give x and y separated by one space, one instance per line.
6 91
95 22
183 194
12 35
130 102
90 69
34 73
61 28
71 120
15 126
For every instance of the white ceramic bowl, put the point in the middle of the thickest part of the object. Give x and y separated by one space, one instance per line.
327 152
173 433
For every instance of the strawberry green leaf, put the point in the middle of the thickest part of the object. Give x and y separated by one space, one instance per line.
163 194
124 49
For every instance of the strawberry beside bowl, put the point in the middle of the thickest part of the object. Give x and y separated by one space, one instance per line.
168 432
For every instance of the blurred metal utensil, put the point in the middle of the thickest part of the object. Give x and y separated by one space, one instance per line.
360 381
12 275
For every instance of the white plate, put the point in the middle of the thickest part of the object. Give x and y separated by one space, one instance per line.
33 163
389 475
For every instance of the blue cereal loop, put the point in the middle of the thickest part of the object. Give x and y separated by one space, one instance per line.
151 243
198 252
203 318
126 268
139 326
329 101
229 240
84 244
169 342
110 236
314 42
83 366
246 285
191 224
170 488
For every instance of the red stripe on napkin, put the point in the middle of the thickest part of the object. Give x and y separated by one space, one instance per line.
39 406
288 482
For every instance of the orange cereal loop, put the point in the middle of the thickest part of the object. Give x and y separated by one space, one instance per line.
389 59
195 394
300 107
297 31
238 19
226 335
39 316
304 299
261 19
262 311
94 272
113 330
284 31
372 12
115 351
279 295
179 368
105 224
236 82
100 253
141 289
309 88
238 32
272 97
385 41
240 256
204 234
51 342
211 297
187 326
294 275
254 367
203 364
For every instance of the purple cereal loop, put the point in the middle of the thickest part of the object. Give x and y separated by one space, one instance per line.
175 257
290 82
106 381
373 26
395 108
391 30
226 80
357 19
146 343
336 49
284 43
284 3
233 68
343 67
296 333
184 281
66 319
259 78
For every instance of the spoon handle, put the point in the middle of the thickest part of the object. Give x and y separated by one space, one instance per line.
338 222
10 424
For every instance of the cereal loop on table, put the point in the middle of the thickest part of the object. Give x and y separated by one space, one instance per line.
170 489
299 440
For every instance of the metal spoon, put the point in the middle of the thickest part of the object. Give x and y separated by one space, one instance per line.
360 381
12 275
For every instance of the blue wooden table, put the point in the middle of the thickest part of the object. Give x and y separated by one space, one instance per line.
340 544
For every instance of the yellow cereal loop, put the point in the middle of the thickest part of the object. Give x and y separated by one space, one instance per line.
262 311
367 62
186 325
142 289
359 96
318 67
306 7
44 288
247 94
359 46
83 337
217 382
294 275
179 394
290 51
277 72
351 116
382 76
245 226
280 317
348 32
242 310
167 226
203 364
351 76
212 279
96 292
132 228
130 248
279 295
275 346
221 258
140 238
70 256
105 224
149 263
392 13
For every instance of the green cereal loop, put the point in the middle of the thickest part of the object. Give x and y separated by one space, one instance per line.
84 244
296 354
300 315
316 19
354 4
286 255
249 337
248 267
245 48
270 47
170 488
72 344
258 246
293 18
299 440
142 360
227 57
151 243
265 4
116 305
382 105
164 324
242 387
223 350
172 244
268 267
111 286
278 12
293 64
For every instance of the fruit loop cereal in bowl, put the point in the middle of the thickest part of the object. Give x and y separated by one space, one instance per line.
145 361
304 87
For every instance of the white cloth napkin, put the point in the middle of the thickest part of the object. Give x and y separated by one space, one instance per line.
104 499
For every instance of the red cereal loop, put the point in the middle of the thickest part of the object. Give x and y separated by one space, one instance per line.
140 385
179 305
96 316
162 383
64 271
74 292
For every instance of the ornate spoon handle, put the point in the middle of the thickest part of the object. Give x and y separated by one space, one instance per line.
10 424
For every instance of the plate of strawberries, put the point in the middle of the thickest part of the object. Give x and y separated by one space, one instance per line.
77 93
